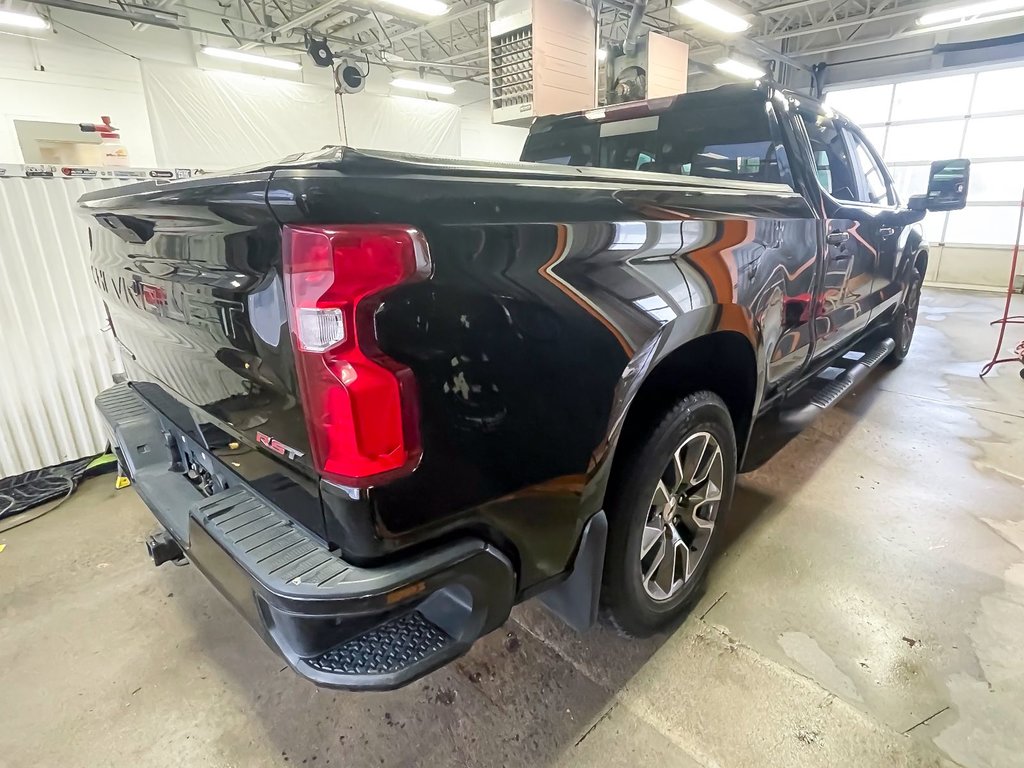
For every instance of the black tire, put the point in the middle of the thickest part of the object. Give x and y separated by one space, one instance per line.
634 509
905 321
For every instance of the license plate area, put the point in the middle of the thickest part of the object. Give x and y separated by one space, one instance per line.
207 474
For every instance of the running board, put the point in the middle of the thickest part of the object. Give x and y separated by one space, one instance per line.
836 390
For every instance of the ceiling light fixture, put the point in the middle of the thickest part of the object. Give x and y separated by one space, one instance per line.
22 20
712 15
422 85
963 13
250 58
967 22
967 16
740 69
422 7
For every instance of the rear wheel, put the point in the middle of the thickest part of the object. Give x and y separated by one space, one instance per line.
905 322
665 515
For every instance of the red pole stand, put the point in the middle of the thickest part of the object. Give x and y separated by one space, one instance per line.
1006 319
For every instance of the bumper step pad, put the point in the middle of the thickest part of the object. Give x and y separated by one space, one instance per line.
338 624
269 544
389 648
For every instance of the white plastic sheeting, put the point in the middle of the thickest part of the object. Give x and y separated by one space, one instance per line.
54 354
216 120
483 140
400 123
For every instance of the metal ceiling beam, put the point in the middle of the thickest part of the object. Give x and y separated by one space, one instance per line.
298 21
774 54
165 19
849 22
408 17
449 17
777 10
899 35
157 6
480 51
365 24
262 27
417 64
329 22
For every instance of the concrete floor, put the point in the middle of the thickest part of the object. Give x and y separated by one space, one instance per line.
868 610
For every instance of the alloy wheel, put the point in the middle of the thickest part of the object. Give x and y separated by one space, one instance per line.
910 316
682 514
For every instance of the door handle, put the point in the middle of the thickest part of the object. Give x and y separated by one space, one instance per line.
886 231
837 238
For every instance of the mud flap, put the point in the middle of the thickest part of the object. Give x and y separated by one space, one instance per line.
575 600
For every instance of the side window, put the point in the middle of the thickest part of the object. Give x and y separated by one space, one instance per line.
831 161
704 136
873 188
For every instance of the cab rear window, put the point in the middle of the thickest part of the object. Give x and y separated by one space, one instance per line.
698 136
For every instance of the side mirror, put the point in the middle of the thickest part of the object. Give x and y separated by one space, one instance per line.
947 187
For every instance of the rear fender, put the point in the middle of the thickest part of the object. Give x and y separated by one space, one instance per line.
729 326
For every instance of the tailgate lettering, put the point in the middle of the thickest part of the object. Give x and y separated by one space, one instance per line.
277 446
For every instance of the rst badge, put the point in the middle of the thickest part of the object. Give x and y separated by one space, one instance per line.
278 447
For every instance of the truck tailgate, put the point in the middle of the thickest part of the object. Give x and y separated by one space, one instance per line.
190 273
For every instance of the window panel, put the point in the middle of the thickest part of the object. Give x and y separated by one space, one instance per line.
705 134
871 182
862 105
832 164
999 91
983 225
933 225
934 97
996 182
926 141
995 137
910 179
876 137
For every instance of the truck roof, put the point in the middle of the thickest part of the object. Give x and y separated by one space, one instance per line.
660 105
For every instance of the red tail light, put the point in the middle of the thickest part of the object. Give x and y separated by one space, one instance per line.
361 407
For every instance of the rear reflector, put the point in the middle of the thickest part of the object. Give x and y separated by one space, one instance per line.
361 407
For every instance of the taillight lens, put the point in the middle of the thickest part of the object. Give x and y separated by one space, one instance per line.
361 407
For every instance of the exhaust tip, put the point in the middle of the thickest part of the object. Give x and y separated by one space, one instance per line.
162 548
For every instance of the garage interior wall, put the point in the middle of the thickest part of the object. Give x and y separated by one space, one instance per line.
65 77
91 66
217 120
977 114
375 121
56 353
483 140
170 112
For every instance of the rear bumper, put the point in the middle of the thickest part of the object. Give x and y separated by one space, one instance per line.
336 624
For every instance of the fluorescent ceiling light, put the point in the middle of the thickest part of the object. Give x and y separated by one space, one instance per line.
740 69
422 85
422 7
23 20
602 54
713 16
967 22
965 12
250 58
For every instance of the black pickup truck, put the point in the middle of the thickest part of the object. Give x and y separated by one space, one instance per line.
379 399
